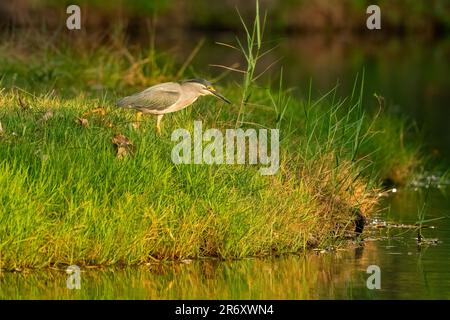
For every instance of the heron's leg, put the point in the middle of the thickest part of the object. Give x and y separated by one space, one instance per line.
137 122
158 123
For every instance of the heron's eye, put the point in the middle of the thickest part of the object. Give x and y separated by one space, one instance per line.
210 88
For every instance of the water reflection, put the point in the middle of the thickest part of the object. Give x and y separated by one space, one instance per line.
289 277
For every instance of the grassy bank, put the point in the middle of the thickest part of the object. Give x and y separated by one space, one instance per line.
67 198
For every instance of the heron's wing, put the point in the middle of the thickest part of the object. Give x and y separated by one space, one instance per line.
155 98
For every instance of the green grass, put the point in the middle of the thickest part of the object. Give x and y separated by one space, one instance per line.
67 198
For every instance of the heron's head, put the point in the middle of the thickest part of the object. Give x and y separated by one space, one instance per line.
204 87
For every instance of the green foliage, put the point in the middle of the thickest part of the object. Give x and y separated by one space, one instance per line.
68 198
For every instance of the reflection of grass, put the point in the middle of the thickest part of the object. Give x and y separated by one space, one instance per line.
290 277
68 199
421 216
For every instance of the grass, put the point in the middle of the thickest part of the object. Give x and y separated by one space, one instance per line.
68 199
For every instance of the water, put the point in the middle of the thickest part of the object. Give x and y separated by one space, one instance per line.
408 270
412 75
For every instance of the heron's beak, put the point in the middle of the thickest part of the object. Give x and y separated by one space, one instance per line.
221 97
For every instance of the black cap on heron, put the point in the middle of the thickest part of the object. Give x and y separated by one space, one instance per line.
169 97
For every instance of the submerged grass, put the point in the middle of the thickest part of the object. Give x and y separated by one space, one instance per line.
66 198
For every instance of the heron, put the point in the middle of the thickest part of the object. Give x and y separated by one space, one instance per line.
168 97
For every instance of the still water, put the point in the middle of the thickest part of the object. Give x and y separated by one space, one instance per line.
412 75
408 270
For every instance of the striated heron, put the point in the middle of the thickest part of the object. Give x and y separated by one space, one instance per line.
169 97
